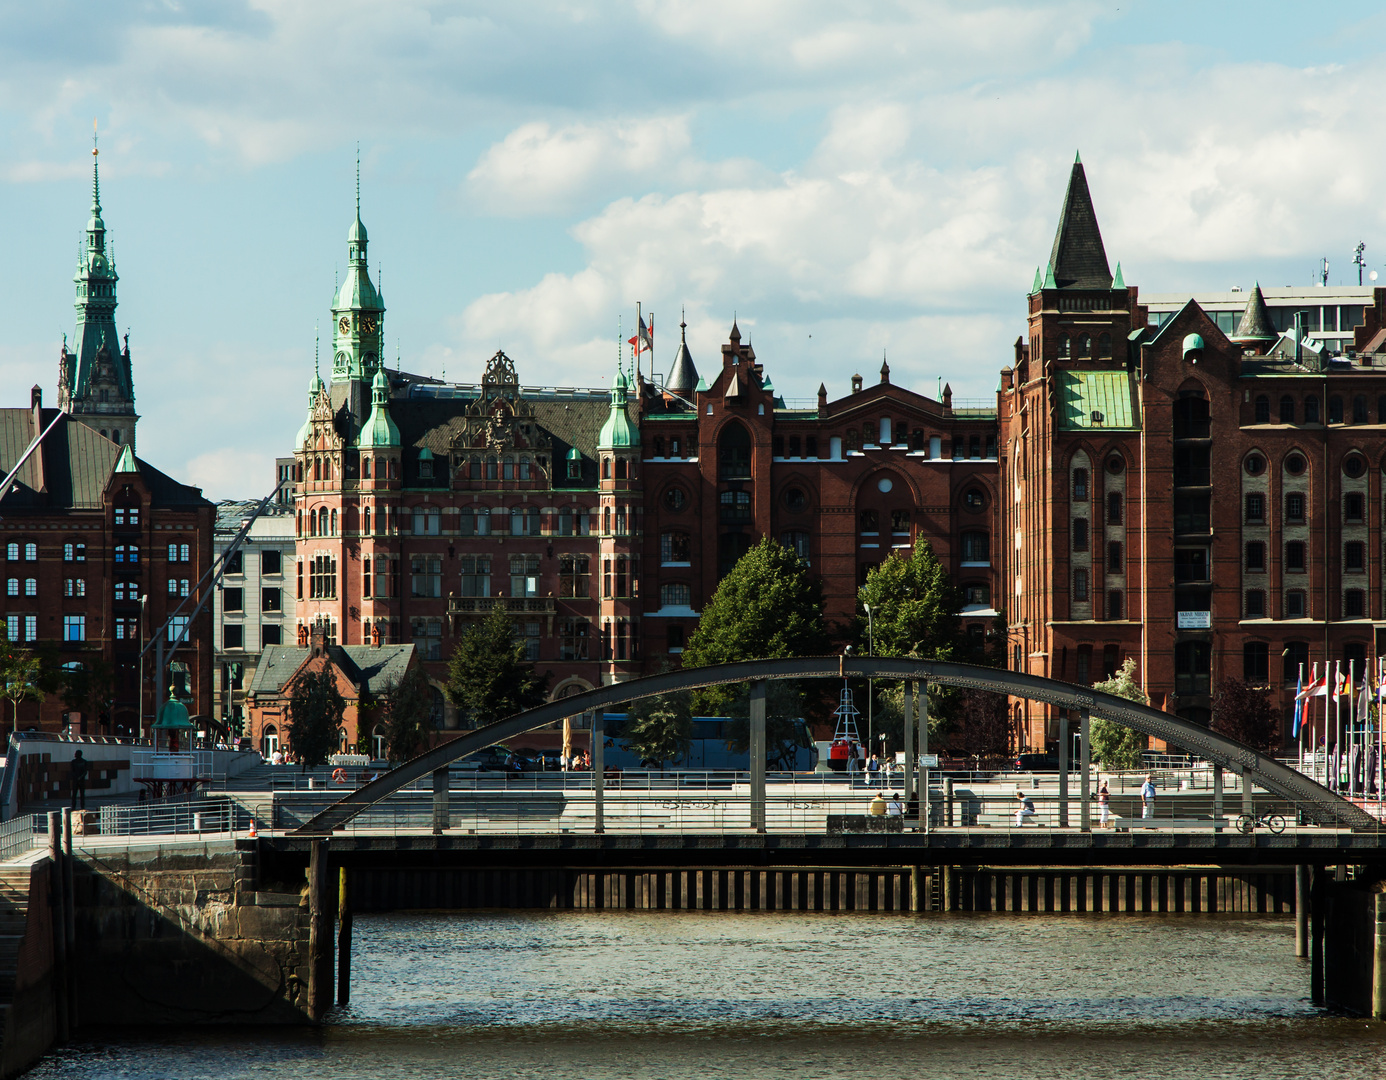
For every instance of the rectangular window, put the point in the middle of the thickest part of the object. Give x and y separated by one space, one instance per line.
574 576
74 628
1256 662
270 634
476 575
75 551
1116 562
1255 604
12 627
271 562
673 547
270 600
1084 664
1116 604
426 575
426 521
30 627
1295 606
74 586
1080 534
1294 557
676 595
1080 485
1080 585
1114 508
1255 556
1354 557
1191 564
1294 506
1353 506
233 636
976 548
235 564
1354 603
524 575
31 553
177 625
231 599
673 638
1192 512
532 629
1255 507
572 644
30 586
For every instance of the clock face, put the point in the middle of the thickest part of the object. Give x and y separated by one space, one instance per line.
345 324
368 324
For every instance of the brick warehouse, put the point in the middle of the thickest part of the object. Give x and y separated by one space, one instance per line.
1208 503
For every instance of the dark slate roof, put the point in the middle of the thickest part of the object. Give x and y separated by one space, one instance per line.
1255 324
1078 259
365 665
683 376
77 464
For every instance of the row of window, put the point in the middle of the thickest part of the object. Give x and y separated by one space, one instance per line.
271 563
1338 409
234 599
1082 594
1081 345
1116 556
1297 604
76 551
233 635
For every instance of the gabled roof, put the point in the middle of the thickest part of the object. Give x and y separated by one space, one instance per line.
375 669
1106 393
1078 259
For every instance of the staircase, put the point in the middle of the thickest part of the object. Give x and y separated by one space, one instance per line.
14 914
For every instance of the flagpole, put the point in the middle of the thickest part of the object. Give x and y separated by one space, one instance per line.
639 322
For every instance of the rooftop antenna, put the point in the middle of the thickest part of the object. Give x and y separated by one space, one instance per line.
1323 271
1361 262
317 339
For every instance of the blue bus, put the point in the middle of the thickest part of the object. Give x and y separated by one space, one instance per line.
710 748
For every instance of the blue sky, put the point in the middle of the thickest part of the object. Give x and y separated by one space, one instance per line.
847 178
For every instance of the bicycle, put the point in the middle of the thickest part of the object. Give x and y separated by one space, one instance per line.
1247 823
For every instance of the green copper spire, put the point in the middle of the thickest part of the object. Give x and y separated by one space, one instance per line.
315 387
379 430
126 462
1039 282
618 432
1049 278
358 312
1118 282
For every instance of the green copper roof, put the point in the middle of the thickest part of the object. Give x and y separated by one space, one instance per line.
618 432
1049 277
702 387
173 716
126 462
1192 343
1118 282
379 430
1039 282
1108 393
314 388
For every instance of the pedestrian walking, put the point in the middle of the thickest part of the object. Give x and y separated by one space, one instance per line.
1104 805
1026 810
80 766
873 770
1148 797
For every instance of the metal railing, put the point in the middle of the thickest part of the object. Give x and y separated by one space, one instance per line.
17 836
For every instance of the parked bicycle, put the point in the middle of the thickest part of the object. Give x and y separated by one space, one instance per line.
1248 823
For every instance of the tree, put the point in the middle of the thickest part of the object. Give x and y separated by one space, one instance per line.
89 688
767 608
659 728
488 676
316 711
983 727
21 673
1246 713
914 606
404 709
1116 746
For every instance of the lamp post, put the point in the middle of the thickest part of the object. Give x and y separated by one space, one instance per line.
139 694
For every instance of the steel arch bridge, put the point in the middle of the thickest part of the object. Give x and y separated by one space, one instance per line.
1316 802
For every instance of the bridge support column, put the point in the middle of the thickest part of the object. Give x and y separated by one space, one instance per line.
319 933
1248 805
1217 797
1379 956
916 882
909 741
923 704
1063 768
1301 910
343 938
1085 764
757 741
597 726
70 917
1318 901
441 810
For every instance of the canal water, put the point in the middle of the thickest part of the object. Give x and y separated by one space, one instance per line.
616 995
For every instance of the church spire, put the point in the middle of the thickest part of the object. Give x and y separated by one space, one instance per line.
358 310
1078 259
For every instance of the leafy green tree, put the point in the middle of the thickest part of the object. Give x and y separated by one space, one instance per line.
983 727
404 709
768 607
316 712
488 676
1115 746
1246 713
914 607
659 728
21 676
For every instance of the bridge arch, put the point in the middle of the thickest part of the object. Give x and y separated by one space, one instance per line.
1316 801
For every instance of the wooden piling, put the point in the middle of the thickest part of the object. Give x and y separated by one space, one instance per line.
319 933
343 939
59 917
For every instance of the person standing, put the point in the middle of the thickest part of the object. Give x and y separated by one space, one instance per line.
1026 810
1148 798
80 767
1104 805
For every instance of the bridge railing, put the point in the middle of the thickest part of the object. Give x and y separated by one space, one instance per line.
19 835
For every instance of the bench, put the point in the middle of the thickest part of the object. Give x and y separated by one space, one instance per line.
1126 824
864 823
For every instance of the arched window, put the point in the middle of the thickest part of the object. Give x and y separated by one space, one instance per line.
492 468
1261 414
1104 344
322 522
1192 667
1287 409
334 524
524 468
1084 345
1191 419
317 468
606 467
1311 409
365 468
976 548
1065 345
620 468
734 453
366 521
474 468
1335 409
1359 409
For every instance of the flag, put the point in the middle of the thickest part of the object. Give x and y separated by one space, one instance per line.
1317 687
1299 704
1364 700
646 334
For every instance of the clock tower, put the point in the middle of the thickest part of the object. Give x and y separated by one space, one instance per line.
358 312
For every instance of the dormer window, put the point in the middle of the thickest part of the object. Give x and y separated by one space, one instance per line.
425 470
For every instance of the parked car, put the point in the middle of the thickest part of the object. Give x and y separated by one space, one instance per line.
1037 763
491 759
527 759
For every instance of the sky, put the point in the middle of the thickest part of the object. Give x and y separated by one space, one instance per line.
848 180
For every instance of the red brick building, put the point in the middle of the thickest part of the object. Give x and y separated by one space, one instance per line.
1209 504
86 530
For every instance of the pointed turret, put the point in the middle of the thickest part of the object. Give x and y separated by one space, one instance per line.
126 462
315 387
885 369
683 376
1255 327
95 382
358 312
379 430
1078 259
618 433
